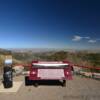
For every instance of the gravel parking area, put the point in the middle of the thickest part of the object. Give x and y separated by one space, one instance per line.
77 89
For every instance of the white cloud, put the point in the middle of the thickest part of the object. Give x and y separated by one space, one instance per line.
86 37
78 38
92 41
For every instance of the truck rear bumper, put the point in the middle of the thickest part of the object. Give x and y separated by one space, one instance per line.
37 82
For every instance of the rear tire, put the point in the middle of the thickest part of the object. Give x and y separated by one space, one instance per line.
27 81
36 84
64 83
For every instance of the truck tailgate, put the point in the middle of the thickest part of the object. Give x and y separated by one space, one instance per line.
51 73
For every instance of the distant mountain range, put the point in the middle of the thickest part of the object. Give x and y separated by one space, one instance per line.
5 51
39 50
34 50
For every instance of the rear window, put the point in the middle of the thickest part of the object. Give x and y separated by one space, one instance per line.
50 65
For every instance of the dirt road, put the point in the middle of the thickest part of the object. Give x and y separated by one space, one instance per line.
76 89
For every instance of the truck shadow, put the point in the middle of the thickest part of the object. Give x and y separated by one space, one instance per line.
44 83
47 82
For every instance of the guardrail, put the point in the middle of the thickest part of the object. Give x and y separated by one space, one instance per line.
87 74
90 74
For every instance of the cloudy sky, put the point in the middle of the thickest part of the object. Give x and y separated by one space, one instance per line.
72 24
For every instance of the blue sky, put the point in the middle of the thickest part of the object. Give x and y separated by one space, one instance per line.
72 24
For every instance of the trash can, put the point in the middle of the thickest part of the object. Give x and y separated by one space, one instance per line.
7 77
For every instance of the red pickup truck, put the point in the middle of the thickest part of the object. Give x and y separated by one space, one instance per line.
44 70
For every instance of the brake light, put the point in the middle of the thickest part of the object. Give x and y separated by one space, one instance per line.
33 72
67 73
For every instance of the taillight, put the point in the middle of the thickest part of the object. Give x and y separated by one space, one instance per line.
33 72
67 73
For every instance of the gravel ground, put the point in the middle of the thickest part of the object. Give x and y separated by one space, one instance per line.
77 89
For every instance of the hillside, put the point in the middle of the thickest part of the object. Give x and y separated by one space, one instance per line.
82 58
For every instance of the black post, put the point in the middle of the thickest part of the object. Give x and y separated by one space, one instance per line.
7 71
7 77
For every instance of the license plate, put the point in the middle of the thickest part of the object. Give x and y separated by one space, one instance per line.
50 73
